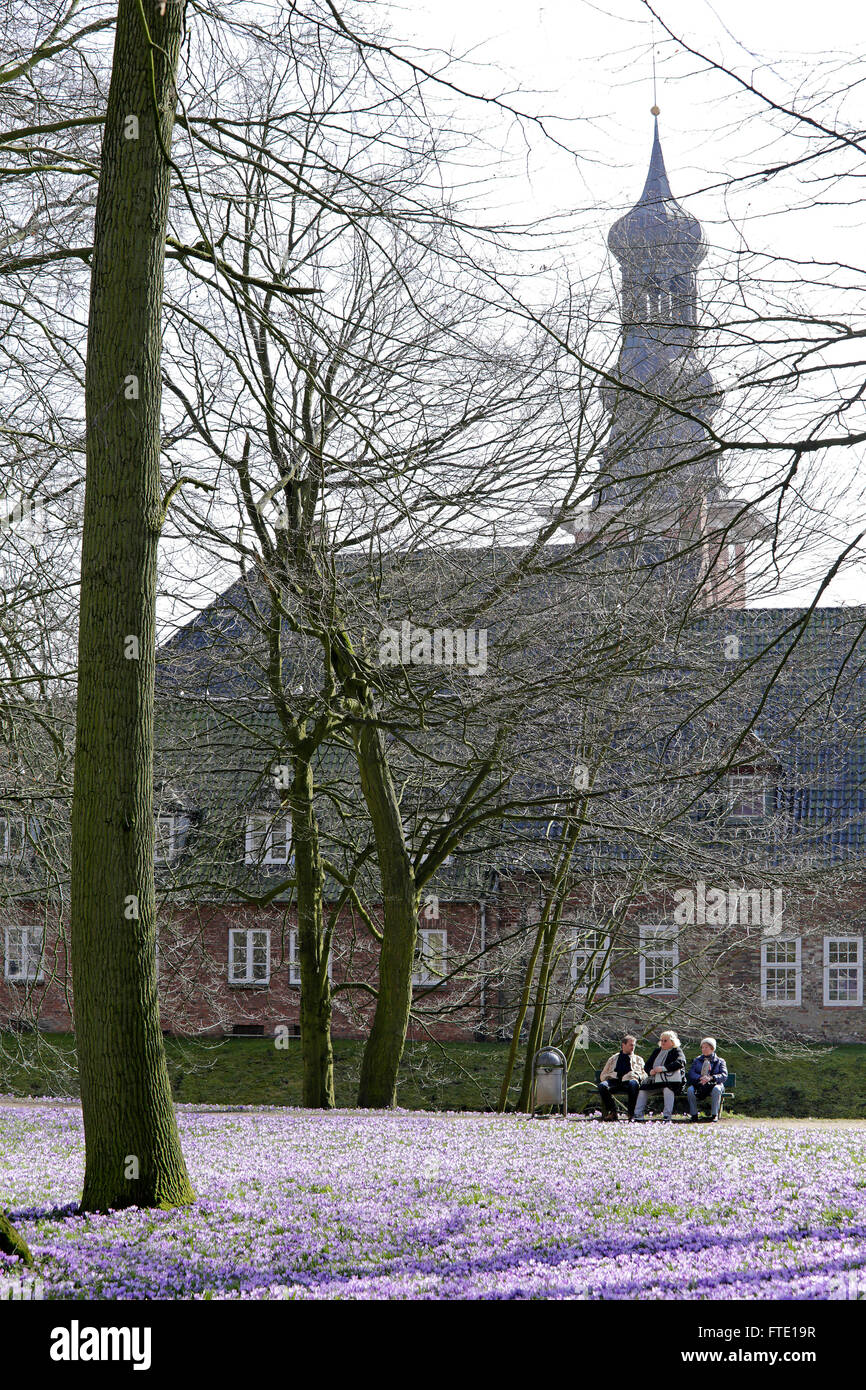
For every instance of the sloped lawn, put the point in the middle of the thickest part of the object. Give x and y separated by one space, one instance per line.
294 1204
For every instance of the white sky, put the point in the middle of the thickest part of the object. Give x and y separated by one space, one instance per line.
590 65
587 66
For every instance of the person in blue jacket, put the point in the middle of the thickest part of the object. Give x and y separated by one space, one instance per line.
707 1076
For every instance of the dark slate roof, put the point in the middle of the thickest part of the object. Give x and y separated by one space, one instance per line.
657 227
806 720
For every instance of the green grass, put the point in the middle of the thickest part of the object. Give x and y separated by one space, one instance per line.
829 1083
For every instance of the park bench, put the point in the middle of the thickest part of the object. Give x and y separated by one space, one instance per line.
680 1100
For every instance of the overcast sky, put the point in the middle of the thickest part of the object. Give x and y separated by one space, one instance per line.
589 67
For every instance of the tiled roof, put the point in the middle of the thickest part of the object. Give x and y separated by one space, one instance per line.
807 720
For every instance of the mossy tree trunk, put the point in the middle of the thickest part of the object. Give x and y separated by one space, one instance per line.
133 1154
314 943
384 1049
523 1006
11 1243
546 934
539 1015
302 740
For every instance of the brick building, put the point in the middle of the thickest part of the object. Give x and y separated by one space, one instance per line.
776 950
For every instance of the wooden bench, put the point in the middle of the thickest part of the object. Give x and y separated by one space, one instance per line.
619 1097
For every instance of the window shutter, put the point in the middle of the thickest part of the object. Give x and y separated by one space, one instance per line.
14 953
418 968
280 842
237 956
294 963
182 825
13 837
437 953
261 956
431 951
34 953
255 839
164 839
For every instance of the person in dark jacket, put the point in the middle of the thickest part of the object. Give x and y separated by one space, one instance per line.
666 1072
707 1076
624 1071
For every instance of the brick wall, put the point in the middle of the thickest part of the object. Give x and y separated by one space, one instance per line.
721 986
198 998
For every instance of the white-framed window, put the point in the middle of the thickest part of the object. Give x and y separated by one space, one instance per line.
429 832
659 959
269 841
431 956
169 833
746 798
843 971
295 961
13 838
590 961
249 955
781 970
22 961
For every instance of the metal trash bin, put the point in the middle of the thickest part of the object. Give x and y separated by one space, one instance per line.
549 1079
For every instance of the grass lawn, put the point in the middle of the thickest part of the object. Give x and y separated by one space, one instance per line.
448 1076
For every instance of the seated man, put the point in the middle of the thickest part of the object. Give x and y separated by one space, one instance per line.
707 1076
624 1071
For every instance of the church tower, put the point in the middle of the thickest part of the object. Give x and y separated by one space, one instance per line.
659 477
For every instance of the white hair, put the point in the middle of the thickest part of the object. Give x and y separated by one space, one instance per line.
669 1033
711 1041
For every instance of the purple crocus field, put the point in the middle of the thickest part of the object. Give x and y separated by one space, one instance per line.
298 1204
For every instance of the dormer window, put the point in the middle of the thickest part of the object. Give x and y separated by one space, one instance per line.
269 840
13 838
746 799
425 834
170 831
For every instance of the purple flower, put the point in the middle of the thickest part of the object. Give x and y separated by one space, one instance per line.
399 1204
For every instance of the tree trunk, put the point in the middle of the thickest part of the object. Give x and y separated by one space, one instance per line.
384 1049
11 1243
539 1014
133 1154
521 1015
317 1052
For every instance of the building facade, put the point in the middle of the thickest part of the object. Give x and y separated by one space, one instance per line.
775 952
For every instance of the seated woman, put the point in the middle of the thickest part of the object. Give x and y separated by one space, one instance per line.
666 1072
707 1076
624 1071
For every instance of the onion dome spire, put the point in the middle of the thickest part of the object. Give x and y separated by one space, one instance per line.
659 247
656 428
